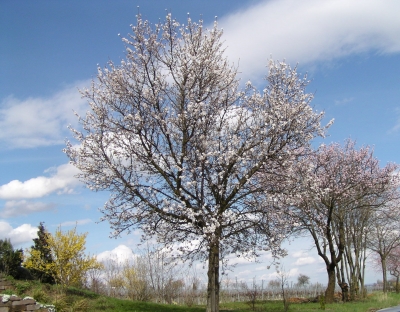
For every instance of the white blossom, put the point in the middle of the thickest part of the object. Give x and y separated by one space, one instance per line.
180 147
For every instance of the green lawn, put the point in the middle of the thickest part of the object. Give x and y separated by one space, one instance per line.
373 303
78 300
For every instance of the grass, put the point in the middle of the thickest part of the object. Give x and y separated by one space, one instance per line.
78 300
373 303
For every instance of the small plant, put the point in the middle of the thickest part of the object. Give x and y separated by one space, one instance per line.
284 275
22 287
80 306
40 295
60 303
7 292
322 302
252 293
364 293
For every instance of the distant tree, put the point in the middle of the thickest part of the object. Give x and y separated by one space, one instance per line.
393 265
303 280
41 245
95 281
251 293
383 238
284 281
149 275
163 274
112 276
178 144
69 263
357 225
135 277
332 183
10 259
276 283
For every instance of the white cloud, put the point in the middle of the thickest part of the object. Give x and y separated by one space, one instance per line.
245 275
397 126
344 101
77 222
298 254
291 273
309 30
15 208
34 122
304 261
265 257
62 181
20 235
121 254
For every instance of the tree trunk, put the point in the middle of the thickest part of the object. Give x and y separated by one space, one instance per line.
341 281
330 290
362 273
213 279
383 262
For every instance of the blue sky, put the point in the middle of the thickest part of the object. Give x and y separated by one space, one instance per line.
350 50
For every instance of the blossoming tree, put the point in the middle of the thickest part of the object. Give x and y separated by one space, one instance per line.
69 264
332 184
384 238
177 143
393 265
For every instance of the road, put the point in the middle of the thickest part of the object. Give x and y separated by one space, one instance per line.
393 309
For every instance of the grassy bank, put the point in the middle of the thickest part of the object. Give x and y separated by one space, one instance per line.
78 300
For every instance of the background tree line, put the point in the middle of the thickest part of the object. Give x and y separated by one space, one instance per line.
151 275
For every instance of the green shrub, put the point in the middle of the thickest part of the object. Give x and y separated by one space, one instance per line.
8 292
9 278
60 303
322 302
40 295
81 292
22 287
80 305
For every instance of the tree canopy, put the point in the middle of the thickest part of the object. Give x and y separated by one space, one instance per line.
10 259
41 245
69 263
330 186
179 144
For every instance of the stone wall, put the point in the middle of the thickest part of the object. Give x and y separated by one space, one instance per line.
4 285
16 304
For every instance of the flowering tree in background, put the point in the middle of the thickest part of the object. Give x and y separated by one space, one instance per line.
356 229
333 183
393 265
384 237
179 146
69 263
